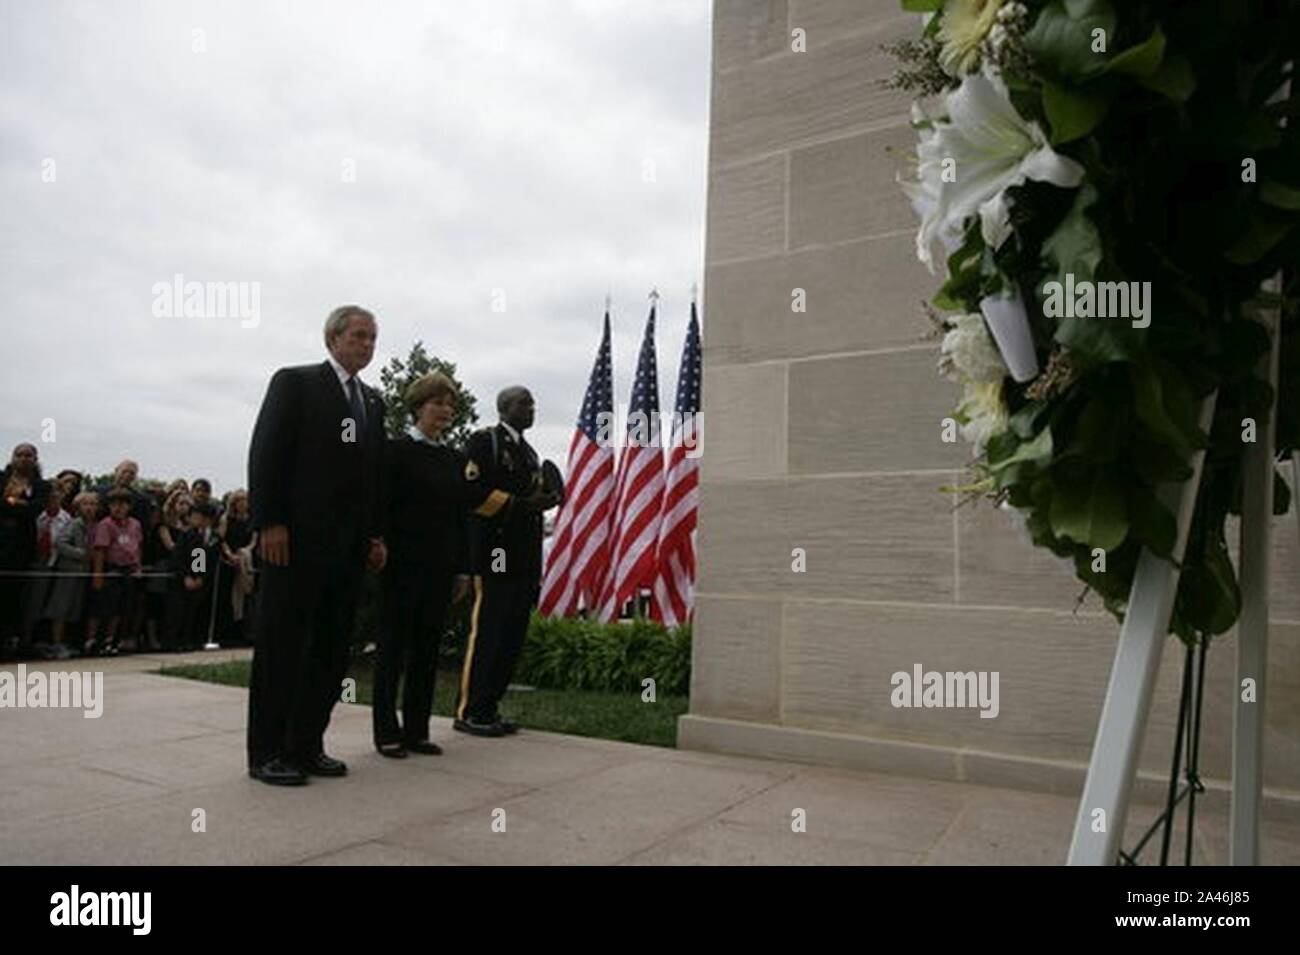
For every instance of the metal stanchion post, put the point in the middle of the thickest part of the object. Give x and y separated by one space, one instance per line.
212 614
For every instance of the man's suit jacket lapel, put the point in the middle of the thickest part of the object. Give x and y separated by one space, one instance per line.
333 391
339 400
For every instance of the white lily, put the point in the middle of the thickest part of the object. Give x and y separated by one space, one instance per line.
992 148
924 192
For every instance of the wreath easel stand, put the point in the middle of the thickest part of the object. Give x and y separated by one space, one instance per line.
1103 807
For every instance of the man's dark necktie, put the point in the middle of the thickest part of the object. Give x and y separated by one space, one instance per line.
354 399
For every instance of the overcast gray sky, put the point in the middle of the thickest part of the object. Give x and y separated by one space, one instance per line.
535 152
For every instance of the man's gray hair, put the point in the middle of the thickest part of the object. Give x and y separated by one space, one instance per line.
337 322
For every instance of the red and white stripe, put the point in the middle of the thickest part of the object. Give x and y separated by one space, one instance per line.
674 584
579 557
639 492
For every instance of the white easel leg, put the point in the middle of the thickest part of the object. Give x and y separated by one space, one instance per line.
1252 628
1103 808
1295 488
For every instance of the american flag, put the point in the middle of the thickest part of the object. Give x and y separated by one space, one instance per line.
639 488
674 584
579 556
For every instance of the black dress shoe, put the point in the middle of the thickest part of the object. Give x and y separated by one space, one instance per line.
322 765
424 747
478 727
510 726
277 772
391 750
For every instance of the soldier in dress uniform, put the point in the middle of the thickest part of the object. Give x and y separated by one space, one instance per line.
505 538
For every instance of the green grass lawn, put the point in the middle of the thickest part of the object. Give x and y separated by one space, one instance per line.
617 716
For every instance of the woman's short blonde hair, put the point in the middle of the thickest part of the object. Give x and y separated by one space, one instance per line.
433 385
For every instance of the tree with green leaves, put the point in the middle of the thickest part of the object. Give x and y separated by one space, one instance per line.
398 375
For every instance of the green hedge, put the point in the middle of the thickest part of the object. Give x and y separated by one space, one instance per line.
576 654
567 653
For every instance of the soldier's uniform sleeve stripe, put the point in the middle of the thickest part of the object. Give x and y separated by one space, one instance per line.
495 501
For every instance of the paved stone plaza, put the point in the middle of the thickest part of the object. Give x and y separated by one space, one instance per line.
122 790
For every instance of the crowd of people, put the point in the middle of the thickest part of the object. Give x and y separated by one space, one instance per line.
121 566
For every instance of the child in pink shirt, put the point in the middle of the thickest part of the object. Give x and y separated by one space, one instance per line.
117 542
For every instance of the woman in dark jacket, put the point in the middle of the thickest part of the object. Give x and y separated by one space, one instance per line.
25 495
427 497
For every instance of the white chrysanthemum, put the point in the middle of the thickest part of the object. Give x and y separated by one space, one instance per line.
1015 14
983 411
969 354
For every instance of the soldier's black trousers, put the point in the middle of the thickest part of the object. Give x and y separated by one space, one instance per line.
302 632
414 613
498 625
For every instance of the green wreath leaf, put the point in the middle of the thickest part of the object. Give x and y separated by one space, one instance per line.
1209 598
1261 235
1035 451
1062 35
1151 523
1072 112
1141 60
1092 513
1279 194
1151 406
1100 340
1174 79
1075 246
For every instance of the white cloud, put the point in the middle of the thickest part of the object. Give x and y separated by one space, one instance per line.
496 146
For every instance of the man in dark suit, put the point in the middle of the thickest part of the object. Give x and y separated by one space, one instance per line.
506 557
314 489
